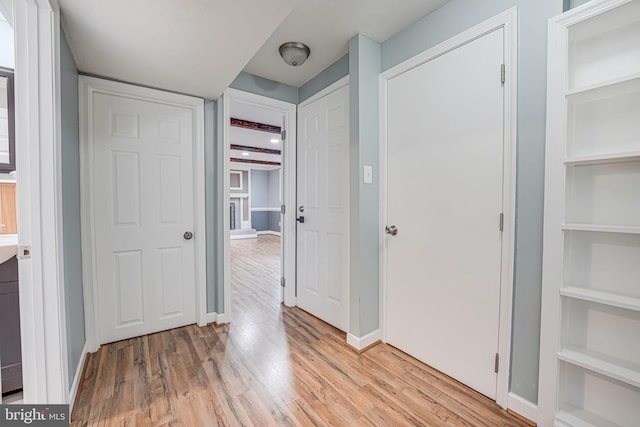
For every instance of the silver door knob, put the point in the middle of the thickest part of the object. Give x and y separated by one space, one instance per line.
188 235
391 229
301 208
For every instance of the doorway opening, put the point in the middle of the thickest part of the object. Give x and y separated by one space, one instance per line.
259 191
10 337
256 136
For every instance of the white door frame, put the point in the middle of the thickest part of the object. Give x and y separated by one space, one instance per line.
38 160
508 21
289 197
88 87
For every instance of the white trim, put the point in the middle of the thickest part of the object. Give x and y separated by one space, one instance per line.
222 319
77 378
268 232
38 157
508 21
210 318
236 172
265 209
326 91
522 407
88 86
360 343
243 236
289 164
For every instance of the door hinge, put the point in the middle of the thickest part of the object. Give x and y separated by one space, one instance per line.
282 282
497 362
503 73
283 209
501 221
283 135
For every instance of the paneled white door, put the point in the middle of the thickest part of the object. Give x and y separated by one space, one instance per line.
323 202
143 185
444 195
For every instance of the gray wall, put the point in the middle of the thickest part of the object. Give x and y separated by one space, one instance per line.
328 76
265 87
265 193
210 171
73 293
447 21
570 4
364 69
259 188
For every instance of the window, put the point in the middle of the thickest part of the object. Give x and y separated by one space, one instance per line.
7 121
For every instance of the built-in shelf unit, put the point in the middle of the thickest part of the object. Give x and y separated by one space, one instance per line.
590 343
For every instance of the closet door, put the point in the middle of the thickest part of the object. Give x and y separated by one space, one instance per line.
590 344
445 132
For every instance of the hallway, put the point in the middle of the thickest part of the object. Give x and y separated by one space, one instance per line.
272 366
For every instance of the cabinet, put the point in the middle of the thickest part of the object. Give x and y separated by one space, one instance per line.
590 343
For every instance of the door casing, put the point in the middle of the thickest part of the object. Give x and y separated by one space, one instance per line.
508 21
88 87
288 198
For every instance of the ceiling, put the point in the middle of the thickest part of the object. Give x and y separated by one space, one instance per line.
200 46
255 138
327 26
195 47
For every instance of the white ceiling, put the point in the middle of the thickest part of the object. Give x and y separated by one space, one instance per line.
190 46
198 47
255 138
326 26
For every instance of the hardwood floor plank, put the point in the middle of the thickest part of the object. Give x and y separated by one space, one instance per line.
273 366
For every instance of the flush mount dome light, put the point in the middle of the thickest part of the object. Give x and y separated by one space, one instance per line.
294 53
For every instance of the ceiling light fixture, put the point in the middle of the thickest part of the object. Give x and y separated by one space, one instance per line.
294 53
244 153
275 141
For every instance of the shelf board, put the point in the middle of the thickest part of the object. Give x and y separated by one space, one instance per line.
601 228
576 417
601 297
613 368
596 159
603 86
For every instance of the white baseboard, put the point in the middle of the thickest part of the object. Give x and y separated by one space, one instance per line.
243 236
77 378
211 318
222 319
363 342
523 407
273 233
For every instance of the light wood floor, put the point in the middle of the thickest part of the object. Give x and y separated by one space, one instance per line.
273 366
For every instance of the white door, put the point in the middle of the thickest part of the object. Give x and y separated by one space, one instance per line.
323 202
143 185
445 171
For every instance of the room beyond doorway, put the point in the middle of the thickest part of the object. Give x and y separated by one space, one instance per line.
259 183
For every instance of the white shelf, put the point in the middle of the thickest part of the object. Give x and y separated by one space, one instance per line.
597 159
613 368
601 297
576 417
601 228
603 86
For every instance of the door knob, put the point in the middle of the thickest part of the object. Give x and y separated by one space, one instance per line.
391 229
300 220
301 208
188 235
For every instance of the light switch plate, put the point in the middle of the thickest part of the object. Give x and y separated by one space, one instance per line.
368 174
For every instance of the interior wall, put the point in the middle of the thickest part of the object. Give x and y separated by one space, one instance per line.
74 300
453 18
364 225
265 87
325 78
